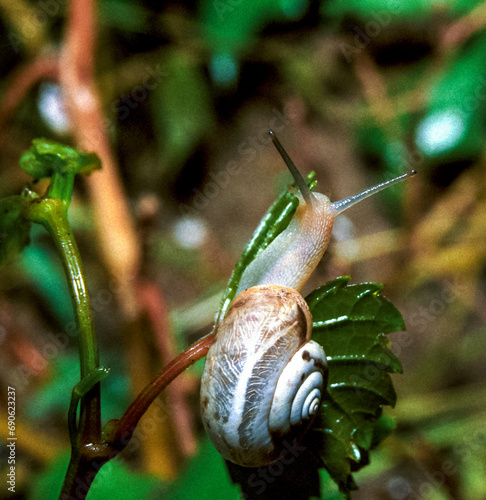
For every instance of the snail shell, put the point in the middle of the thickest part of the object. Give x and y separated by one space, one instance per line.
264 378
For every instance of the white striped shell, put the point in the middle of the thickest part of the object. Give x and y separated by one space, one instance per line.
264 379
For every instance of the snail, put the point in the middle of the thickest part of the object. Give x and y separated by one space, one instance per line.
264 378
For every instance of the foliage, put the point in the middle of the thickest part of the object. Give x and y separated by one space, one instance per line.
350 322
49 159
205 476
183 112
61 164
366 90
14 229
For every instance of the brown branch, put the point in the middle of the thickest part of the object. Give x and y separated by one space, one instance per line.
154 304
375 91
116 230
115 227
43 68
458 32
123 429
118 433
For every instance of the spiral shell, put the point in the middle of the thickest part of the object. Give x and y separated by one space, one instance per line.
263 380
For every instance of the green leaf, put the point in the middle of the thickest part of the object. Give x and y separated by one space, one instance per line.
453 126
230 28
397 10
124 15
384 426
181 107
14 227
60 162
273 223
46 157
350 322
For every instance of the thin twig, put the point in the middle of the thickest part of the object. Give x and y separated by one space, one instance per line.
458 32
137 409
116 231
375 92
154 304
43 68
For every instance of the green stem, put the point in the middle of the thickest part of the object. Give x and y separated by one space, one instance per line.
61 186
78 392
52 214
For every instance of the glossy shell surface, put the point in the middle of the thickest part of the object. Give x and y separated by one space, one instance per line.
266 328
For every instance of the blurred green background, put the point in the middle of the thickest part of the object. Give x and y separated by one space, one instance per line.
357 91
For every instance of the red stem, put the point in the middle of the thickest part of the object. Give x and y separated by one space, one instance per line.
45 67
87 461
137 409
152 301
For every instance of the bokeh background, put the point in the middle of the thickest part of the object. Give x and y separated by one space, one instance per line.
178 107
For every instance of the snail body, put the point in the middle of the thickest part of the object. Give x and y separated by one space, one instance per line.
290 259
264 377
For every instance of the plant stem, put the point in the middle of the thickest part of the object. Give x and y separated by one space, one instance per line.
52 214
45 66
61 186
118 239
87 460
126 425
153 304
89 450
